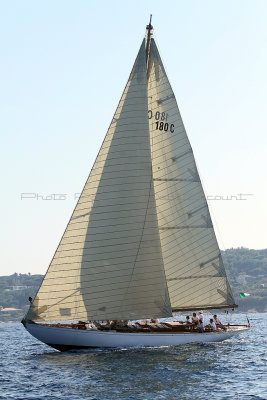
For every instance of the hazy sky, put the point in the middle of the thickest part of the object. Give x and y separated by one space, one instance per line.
63 67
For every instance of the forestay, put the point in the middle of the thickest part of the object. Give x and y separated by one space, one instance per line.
108 264
193 264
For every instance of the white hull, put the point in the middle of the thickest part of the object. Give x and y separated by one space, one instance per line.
66 338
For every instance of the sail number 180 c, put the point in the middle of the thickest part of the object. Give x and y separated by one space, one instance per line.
161 121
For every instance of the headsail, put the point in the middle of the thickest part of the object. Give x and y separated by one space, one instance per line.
193 264
109 264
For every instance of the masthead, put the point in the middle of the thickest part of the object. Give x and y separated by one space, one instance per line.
149 29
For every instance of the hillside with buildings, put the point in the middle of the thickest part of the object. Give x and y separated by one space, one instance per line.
247 271
15 291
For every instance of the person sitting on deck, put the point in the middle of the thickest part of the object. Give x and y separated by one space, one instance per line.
201 316
213 325
195 319
201 325
123 323
113 324
187 320
90 325
218 322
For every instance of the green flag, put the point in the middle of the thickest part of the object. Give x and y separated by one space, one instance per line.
244 294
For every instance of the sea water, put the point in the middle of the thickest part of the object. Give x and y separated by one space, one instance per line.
234 369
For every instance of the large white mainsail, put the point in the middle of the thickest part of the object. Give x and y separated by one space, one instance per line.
108 264
193 264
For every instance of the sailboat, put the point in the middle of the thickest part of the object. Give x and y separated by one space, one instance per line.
140 243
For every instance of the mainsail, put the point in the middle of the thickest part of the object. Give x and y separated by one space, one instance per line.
195 274
140 242
109 264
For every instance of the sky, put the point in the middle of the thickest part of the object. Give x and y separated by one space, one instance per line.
64 65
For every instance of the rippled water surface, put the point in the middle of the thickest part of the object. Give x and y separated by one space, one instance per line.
233 369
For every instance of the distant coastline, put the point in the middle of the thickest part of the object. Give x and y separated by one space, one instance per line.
246 269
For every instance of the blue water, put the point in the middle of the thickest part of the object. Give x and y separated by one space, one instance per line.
233 369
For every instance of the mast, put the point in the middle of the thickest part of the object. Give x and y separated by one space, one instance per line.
149 29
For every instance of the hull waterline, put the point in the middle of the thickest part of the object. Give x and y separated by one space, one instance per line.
66 339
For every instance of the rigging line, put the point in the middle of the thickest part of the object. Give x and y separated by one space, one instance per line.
197 243
173 150
171 211
109 258
181 159
108 233
120 241
104 226
98 266
112 198
120 272
119 164
181 269
95 295
104 282
171 216
114 212
185 188
126 180
203 296
111 206
100 250
166 159
186 256
175 190
169 106
93 250
114 269
186 263
194 256
95 303
202 292
140 303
